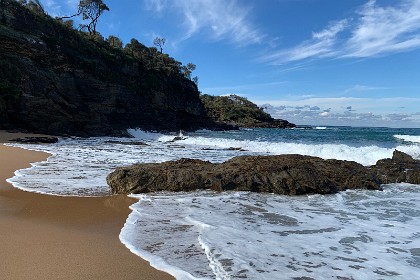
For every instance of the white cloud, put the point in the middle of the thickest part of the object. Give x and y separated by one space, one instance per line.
395 112
321 44
222 19
363 88
157 5
382 30
52 7
58 8
375 30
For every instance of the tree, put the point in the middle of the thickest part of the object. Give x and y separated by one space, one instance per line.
187 70
195 80
114 42
159 42
135 48
91 10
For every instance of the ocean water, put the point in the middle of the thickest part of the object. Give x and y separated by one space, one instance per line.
239 235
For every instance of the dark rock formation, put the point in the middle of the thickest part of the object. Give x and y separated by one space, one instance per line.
274 123
400 168
36 140
284 174
56 80
132 143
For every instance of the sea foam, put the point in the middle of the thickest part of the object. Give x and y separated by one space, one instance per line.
409 138
354 234
78 167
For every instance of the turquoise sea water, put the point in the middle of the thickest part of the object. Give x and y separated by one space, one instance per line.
236 235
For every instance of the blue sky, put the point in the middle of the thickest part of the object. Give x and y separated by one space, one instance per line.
318 62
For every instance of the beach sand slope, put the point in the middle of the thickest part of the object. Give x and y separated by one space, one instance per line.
50 237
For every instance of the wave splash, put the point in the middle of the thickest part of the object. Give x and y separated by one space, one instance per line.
78 167
409 138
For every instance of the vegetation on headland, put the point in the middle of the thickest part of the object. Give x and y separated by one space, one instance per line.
239 111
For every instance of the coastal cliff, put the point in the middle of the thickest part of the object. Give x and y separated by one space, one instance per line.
57 80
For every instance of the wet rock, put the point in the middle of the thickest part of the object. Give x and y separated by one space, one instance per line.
284 174
400 168
36 140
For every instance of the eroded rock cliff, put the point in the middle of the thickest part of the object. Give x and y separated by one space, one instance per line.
57 80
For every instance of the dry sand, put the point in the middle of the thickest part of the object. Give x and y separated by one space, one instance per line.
50 237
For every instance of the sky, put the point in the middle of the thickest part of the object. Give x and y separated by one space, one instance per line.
311 62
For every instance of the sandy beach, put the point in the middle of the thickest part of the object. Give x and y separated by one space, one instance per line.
50 237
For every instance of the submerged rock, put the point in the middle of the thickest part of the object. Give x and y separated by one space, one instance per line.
283 174
132 143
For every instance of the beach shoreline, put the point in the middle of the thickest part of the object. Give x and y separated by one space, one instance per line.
44 236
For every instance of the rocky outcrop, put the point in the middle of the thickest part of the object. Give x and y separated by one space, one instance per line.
35 140
274 123
400 168
239 111
56 80
284 174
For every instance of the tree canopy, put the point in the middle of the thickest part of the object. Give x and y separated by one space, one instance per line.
159 42
91 10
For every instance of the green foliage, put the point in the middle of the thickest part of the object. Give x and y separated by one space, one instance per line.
234 109
187 69
135 64
114 42
91 10
159 43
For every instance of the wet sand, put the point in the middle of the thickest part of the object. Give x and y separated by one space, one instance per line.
51 237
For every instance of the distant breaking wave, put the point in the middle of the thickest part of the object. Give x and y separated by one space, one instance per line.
408 138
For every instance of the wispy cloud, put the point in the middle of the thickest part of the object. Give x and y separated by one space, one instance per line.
52 7
383 30
60 8
221 19
375 30
363 88
322 44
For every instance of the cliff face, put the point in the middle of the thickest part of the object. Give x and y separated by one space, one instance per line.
56 80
